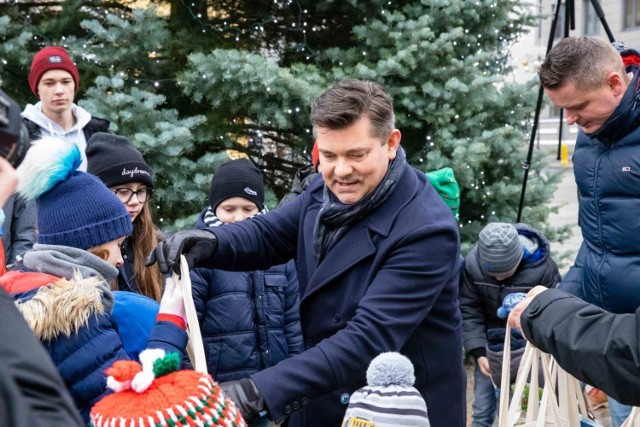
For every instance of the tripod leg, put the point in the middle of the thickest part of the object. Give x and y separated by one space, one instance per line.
600 14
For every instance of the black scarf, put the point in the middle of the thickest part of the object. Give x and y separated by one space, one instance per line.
336 218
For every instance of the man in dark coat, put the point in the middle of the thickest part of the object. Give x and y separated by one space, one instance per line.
377 254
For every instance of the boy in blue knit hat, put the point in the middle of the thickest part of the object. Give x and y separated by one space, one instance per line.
62 285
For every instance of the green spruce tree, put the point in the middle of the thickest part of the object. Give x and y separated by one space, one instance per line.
187 81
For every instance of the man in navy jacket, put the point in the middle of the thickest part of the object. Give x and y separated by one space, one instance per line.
377 256
598 88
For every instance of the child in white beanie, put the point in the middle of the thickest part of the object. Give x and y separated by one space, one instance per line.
389 399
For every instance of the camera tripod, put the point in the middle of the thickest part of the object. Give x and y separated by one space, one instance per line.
569 23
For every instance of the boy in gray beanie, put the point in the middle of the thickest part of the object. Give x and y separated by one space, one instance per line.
508 258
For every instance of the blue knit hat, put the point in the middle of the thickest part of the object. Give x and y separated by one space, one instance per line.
74 208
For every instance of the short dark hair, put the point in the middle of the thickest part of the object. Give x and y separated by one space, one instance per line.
348 101
585 61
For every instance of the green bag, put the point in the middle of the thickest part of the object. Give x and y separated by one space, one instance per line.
447 187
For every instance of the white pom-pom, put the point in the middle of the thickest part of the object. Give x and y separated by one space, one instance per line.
142 381
390 368
150 355
116 385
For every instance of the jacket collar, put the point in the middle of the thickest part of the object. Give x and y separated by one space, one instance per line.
381 219
625 117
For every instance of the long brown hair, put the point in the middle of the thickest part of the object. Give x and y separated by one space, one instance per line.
143 240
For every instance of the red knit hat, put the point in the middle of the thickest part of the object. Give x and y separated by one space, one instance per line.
153 394
51 58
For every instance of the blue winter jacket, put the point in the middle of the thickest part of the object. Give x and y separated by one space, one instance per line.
249 320
607 170
75 321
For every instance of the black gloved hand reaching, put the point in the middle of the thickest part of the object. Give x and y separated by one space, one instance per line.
196 245
247 398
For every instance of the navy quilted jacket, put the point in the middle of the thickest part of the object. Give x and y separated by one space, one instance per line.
607 170
249 320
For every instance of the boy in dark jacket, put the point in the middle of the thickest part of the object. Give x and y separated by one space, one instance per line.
249 320
508 258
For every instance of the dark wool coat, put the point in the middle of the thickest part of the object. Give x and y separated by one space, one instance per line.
607 169
31 390
597 347
389 284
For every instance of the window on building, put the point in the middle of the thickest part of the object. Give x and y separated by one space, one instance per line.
631 14
591 20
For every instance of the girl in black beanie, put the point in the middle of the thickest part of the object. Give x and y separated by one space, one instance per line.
121 167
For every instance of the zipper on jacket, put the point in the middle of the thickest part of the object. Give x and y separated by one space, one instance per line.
596 199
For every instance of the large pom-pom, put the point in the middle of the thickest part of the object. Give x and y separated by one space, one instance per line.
49 161
390 368
144 379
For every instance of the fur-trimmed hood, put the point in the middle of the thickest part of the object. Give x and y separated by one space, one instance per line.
63 306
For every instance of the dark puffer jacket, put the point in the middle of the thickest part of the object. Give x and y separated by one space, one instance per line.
481 294
249 320
607 170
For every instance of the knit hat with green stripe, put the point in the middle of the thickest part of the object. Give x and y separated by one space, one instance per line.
153 393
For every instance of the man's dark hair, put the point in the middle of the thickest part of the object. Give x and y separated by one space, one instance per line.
348 101
584 61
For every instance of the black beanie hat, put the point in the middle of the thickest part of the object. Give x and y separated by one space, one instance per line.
115 160
237 178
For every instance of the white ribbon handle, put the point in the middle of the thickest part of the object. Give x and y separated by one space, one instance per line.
195 348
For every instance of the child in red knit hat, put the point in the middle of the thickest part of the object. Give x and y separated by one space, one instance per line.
152 393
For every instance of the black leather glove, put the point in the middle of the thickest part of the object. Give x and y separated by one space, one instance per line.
196 245
246 397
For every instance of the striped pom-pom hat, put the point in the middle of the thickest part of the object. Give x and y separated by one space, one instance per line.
154 394
389 399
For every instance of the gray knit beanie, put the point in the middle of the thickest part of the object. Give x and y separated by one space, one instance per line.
499 249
